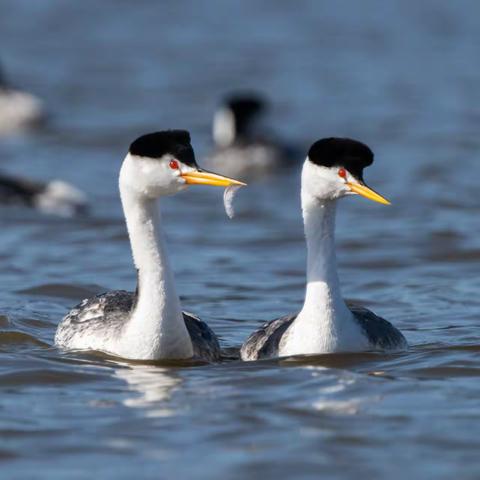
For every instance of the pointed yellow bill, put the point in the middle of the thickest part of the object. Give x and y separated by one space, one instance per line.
208 178
366 192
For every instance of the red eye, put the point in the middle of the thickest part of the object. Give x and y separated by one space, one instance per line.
174 165
342 173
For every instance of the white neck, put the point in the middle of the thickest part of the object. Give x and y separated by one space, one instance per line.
156 328
323 323
224 128
323 286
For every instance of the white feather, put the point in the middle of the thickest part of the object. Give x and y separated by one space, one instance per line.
228 196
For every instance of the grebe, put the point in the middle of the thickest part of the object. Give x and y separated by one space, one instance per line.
54 197
18 109
148 324
240 149
326 323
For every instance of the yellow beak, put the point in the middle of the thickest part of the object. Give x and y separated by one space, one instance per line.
208 178
366 192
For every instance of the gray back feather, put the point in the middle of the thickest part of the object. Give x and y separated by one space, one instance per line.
381 334
265 342
204 341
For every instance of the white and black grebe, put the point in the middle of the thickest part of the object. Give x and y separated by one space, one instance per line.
326 323
55 197
241 148
148 324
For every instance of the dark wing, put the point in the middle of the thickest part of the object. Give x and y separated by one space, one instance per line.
381 334
265 342
17 190
204 341
105 314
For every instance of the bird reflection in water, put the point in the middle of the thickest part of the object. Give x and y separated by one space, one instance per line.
151 388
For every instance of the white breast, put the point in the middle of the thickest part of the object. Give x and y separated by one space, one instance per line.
18 110
323 332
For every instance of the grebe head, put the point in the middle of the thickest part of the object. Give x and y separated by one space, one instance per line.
237 117
334 169
163 163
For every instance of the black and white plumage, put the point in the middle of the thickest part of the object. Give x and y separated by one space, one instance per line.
240 147
55 197
108 313
150 324
267 341
326 323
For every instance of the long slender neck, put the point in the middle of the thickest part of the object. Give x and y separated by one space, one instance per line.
323 292
148 246
156 328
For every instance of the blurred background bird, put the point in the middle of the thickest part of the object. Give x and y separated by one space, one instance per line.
21 111
244 146
55 197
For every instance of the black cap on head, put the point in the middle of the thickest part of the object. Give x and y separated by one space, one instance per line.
157 144
341 152
245 107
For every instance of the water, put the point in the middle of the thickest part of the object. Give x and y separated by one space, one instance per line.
401 76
